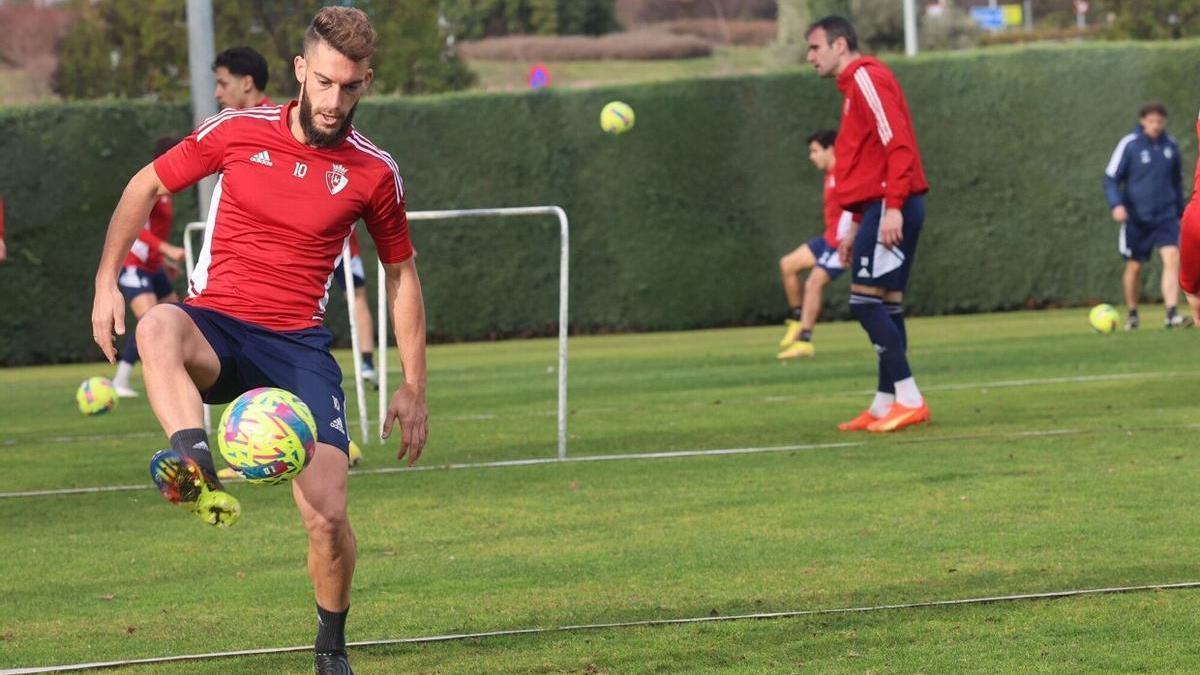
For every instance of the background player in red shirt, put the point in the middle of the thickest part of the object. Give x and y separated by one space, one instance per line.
144 281
819 253
294 181
1189 245
242 77
879 175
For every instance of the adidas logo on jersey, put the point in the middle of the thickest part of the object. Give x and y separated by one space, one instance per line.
339 425
262 158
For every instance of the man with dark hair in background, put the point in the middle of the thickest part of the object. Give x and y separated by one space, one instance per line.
879 177
819 254
242 78
1144 187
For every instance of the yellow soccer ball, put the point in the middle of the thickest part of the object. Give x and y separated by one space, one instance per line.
1104 318
96 396
355 453
268 435
616 118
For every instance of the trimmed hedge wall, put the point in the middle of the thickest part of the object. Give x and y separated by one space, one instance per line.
676 225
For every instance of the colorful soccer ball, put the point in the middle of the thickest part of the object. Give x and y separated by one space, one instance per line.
616 118
268 435
1104 318
96 396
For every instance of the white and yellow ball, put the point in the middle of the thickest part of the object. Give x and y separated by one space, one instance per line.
96 396
617 118
267 435
1104 318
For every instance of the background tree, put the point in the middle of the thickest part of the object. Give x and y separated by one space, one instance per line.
135 48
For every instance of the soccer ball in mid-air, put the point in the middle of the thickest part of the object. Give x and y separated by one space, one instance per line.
96 396
1104 318
617 118
268 435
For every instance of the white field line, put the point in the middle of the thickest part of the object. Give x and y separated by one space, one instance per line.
672 454
484 417
929 604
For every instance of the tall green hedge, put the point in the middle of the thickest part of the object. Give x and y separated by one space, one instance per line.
679 223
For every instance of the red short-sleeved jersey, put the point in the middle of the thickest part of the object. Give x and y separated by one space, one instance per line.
280 213
145 254
837 220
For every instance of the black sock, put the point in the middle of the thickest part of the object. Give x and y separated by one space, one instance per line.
806 335
331 631
194 443
796 313
885 337
1171 312
1133 312
368 360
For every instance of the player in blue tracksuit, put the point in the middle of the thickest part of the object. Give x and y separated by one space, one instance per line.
1144 186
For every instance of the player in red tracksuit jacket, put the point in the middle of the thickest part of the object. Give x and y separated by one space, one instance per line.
1189 246
879 177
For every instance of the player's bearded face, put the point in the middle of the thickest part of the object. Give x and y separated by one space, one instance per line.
324 127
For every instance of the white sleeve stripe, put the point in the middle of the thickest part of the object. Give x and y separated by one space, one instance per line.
356 141
230 112
359 141
200 136
382 154
868 89
1115 161
843 227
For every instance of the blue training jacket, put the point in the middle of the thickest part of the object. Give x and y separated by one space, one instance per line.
1146 177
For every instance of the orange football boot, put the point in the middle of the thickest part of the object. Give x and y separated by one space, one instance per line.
861 423
900 417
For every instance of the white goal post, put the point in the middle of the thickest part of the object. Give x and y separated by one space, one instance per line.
563 292
382 318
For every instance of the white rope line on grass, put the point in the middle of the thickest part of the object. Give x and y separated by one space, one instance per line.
487 416
645 623
670 454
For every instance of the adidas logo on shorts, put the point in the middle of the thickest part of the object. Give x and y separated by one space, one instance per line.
262 158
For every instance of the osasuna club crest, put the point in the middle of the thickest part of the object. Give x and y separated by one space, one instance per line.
335 179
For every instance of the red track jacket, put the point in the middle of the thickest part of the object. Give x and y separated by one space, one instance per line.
876 148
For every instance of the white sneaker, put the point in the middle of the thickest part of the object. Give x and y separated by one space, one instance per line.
371 377
125 392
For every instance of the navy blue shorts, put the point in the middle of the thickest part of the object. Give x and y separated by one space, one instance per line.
298 361
1136 241
873 264
134 282
356 271
826 255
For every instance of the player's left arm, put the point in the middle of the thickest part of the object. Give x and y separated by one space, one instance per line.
881 100
408 405
388 224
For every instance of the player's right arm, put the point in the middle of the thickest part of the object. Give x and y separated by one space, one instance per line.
1114 175
108 308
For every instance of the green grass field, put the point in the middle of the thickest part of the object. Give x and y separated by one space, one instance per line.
1058 459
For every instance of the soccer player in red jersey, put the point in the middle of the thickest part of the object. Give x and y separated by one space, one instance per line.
242 76
880 178
144 281
294 180
820 254
1189 246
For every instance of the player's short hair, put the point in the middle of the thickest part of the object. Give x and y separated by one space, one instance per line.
1152 108
836 27
163 144
242 61
346 29
826 137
